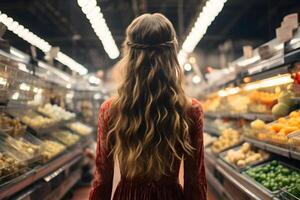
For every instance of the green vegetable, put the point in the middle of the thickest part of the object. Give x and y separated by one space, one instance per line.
274 176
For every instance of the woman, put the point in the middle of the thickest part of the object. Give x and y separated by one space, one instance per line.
151 126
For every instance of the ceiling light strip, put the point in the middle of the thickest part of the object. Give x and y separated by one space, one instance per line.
40 43
98 23
209 12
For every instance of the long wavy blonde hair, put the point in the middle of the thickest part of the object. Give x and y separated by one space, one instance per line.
149 126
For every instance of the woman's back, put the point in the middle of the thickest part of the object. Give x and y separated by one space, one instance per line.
150 126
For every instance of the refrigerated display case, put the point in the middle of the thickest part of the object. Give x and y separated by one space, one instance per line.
264 100
37 149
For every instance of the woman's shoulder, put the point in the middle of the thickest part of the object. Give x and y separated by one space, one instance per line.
195 108
106 104
104 109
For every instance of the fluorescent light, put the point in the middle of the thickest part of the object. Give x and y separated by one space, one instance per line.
182 56
196 79
72 64
3 81
70 95
23 67
211 9
69 86
18 53
24 87
228 91
279 80
40 43
15 96
187 67
97 96
35 90
94 80
94 15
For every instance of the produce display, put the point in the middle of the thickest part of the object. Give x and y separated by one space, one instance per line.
285 103
275 176
9 165
228 138
11 126
37 121
56 112
65 137
80 128
24 147
278 131
238 103
51 148
208 139
245 155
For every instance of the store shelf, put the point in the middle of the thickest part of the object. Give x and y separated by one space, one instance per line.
247 116
274 149
39 172
292 56
211 130
43 131
253 191
65 186
209 157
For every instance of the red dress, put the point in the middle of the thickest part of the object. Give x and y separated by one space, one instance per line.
167 188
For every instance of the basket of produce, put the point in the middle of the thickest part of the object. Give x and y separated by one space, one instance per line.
37 121
279 131
295 141
28 146
10 126
257 130
51 149
80 128
273 176
11 165
229 138
56 112
244 156
65 137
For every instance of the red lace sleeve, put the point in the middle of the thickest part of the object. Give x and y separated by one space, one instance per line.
103 178
195 185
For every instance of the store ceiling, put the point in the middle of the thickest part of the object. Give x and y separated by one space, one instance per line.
63 24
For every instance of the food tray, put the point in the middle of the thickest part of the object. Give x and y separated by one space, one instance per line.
233 146
237 168
16 129
65 137
75 129
27 146
49 154
8 172
280 140
253 181
294 140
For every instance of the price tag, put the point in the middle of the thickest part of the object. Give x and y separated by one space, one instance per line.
53 174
